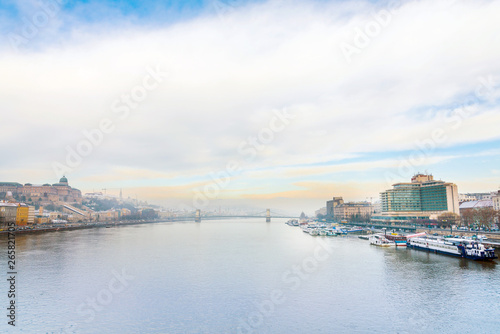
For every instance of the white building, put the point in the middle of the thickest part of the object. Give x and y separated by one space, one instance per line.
466 198
496 201
321 211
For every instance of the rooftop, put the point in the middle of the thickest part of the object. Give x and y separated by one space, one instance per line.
476 204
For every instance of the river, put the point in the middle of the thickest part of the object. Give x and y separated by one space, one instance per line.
241 276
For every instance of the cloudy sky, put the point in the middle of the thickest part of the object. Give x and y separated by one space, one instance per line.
279 104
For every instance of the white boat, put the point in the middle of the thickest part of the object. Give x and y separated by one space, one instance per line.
331 233
313 232
381 241
322 232
453 246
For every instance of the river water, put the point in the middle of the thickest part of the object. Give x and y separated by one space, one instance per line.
241 276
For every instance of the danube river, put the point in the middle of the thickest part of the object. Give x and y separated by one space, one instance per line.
243 276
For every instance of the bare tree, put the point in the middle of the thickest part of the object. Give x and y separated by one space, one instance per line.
468 217
448 219
485 217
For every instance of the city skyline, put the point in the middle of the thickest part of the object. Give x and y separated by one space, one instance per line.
331 99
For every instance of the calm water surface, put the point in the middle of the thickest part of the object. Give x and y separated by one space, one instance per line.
240 277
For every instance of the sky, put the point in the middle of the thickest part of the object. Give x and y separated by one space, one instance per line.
265 104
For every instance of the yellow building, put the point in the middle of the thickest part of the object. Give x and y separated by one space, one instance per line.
41 220
125 212
22 217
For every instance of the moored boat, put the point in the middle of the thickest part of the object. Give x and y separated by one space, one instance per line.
399 240
381 241
453 246
331 233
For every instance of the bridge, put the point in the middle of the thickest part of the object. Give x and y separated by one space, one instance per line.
198 216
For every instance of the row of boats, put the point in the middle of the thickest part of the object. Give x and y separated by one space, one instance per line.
322 229
457 246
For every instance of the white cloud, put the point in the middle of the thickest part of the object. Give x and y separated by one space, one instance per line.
225 76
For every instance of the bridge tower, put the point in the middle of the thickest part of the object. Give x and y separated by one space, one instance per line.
197 217
268 215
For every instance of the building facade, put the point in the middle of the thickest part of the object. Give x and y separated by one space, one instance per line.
422 198
330 205
44 194
8 214
496 201
466 198
22 216
321 212
360 211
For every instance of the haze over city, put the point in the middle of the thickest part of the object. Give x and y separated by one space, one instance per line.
268 104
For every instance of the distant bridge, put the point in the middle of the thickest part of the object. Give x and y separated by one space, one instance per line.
197 217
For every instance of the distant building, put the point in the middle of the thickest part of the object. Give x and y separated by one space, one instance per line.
330 205
41 219
11 187
125 212
8 214
106 216
44 194
496 201
22 215
422 198
476 205
321 211
353 211
466 198
480 196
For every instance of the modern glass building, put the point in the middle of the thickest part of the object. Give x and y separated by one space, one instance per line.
422 198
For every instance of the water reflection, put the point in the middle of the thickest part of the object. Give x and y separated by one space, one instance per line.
206 277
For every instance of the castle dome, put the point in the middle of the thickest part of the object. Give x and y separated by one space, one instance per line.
63 180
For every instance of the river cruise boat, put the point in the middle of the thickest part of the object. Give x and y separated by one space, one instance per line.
461 247
398 239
